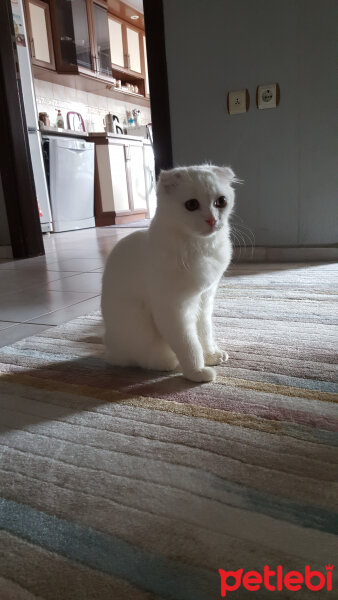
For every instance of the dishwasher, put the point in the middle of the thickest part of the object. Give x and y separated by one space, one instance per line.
69 165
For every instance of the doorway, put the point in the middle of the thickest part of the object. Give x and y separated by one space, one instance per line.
23 214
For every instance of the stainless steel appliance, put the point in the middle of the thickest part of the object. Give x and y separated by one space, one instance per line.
112 124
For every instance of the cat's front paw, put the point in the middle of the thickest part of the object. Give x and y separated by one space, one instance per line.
216 358
201 375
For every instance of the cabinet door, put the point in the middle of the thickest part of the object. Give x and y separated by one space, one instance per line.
40 34
134 54
101 32
118 178
72 39
138 186
116 42
81 34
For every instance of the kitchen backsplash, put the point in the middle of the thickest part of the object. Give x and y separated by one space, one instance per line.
92 107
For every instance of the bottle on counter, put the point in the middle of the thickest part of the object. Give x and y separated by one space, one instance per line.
59 120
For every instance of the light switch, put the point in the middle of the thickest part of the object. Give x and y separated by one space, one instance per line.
268 95
238 102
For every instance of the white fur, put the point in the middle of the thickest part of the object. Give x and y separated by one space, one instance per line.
159 284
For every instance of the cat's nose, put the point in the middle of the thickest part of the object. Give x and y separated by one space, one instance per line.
211 221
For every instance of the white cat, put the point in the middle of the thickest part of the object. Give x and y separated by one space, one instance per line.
159 284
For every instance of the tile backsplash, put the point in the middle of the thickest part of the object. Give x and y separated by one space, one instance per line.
92 107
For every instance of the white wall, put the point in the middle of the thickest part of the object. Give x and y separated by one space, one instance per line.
286 156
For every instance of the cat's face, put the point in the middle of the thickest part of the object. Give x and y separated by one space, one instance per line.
196 200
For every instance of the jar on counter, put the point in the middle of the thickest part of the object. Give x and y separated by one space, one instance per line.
44 117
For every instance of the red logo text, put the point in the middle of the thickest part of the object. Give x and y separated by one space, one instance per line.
276 579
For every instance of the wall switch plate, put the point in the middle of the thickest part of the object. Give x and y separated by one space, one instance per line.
267 96
238 102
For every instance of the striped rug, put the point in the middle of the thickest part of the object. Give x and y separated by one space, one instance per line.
132 485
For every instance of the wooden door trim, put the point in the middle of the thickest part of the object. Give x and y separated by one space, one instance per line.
15 161
158 83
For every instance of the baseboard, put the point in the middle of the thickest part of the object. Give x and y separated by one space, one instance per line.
285 254
6 252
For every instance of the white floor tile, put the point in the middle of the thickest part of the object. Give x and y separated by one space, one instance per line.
70 312
84 282
83 265
35 293
33 302
14 280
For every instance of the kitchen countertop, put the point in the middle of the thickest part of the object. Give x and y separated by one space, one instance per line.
63 132
85 134
121 136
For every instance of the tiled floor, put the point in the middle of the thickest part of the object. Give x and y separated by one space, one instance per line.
41 292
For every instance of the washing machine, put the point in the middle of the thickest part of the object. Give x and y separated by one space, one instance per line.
69 164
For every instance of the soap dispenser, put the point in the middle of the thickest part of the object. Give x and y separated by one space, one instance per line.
59 120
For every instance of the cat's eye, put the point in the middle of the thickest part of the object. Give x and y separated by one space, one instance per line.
192 204
221 202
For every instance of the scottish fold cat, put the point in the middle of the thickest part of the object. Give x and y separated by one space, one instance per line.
159 284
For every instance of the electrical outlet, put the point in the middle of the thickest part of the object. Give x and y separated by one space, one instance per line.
267 96
238 102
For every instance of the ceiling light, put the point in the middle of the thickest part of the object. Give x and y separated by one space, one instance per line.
134 17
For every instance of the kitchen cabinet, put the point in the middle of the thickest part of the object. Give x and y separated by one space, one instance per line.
133 50
116 33
40 33
71 35
126 46
120 185
137 178
81 37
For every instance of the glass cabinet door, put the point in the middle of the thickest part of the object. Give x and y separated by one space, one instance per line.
81 33
73 32
102 40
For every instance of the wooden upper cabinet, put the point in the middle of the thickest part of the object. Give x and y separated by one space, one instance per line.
81 36
72 40
126 46
40 33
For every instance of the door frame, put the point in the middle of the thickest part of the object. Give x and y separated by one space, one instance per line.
158 83
15 161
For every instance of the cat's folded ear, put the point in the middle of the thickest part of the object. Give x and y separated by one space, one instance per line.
168 180
226 173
